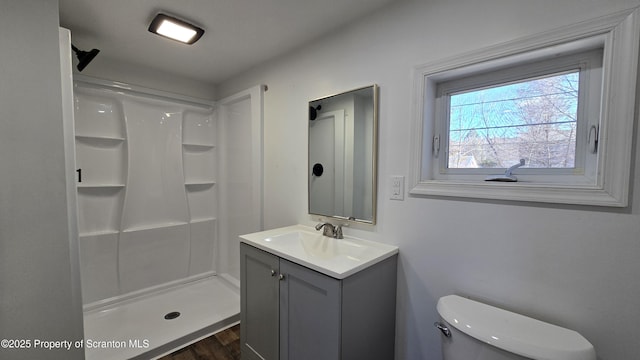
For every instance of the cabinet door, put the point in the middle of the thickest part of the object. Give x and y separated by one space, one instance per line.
259 288
309 314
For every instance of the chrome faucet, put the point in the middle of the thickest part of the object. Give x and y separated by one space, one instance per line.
331 230
328 229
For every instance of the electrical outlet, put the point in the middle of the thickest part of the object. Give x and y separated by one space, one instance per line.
397 188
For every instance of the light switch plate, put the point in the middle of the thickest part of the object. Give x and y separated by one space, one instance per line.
397 188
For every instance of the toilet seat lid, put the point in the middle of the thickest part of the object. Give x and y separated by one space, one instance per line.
513 332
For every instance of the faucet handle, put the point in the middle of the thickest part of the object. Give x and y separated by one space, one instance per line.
328 229
338 232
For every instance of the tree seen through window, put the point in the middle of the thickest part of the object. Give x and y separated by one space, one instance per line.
534 119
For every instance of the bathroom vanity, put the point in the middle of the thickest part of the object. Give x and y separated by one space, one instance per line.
308 296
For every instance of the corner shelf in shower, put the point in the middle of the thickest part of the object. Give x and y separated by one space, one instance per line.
199 184
202 219
99 139
98 233
197 147
100 159
99 186
153 226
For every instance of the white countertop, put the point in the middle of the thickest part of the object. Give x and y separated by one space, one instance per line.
338 258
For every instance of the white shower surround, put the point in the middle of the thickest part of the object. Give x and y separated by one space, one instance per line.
138 228
167 185
148 201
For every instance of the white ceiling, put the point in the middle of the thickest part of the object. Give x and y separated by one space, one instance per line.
239 34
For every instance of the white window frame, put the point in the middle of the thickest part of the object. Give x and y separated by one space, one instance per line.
606 185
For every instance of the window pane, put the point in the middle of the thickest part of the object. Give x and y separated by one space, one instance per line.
533 119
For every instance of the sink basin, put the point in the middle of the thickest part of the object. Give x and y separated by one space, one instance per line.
337 258
316 245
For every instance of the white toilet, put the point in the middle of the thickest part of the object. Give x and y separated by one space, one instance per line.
476 331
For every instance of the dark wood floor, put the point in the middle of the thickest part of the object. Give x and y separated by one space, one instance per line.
224 345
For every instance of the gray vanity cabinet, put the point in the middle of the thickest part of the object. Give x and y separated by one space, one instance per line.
259 303
309 314
290 312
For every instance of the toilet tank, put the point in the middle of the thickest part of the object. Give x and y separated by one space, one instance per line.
481 332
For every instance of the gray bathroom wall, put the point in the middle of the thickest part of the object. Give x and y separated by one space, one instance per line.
576 267
39 297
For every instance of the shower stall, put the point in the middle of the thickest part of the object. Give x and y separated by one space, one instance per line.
165 184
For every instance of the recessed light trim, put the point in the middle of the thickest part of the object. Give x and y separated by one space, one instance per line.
175 29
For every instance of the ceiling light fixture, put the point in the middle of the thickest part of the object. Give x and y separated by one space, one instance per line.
175 29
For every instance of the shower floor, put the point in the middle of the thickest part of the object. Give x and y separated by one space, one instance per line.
137 329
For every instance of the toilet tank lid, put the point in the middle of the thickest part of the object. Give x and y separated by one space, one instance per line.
513 332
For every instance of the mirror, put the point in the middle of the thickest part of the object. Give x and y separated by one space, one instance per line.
343 155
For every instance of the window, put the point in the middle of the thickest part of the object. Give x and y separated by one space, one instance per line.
562 101
535 119
539 111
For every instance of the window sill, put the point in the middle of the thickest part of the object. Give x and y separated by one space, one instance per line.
520 191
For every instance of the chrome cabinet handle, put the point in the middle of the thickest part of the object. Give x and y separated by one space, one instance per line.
273 272
281 277
445 330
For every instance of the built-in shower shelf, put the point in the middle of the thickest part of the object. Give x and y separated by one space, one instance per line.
154 226
202 219
99 186
98 233
100 139
197 147
198 184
